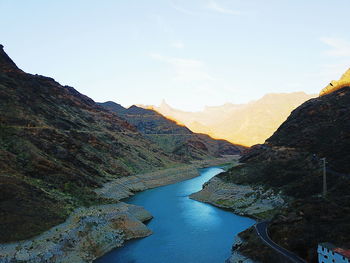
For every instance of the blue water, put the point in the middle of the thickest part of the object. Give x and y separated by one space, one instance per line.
184 230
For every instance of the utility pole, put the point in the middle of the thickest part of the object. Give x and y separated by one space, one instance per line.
324 177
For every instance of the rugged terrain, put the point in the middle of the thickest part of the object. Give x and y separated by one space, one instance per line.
245 124
289 164
126 186
87 234
56 147
172 137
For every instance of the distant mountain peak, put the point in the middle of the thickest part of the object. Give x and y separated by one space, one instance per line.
6 63
164 105
346 75
111 105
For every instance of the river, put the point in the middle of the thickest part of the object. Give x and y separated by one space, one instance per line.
184 230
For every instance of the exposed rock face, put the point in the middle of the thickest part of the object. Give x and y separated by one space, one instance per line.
127 186
172 137
56 147
241 199
236 257
87 234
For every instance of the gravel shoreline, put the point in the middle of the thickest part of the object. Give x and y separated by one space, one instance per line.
91 232
87 234
243 200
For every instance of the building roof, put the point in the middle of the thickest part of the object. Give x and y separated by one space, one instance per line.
343 252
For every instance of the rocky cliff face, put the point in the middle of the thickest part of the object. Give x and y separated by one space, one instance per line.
172 137
56 147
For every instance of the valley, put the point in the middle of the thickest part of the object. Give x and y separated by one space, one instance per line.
70 166
66 162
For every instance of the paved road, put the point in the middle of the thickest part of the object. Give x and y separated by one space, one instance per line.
261 229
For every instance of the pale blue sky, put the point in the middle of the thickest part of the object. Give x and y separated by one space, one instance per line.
190 52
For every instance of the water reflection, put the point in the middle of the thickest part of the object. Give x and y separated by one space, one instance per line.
184 230
199 214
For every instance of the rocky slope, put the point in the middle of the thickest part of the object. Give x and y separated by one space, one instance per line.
245 124
289 164
124 187
172 137
87 234
244 200
56 147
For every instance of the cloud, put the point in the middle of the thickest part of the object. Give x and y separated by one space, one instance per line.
182 10
186 70
177 44
212 5
339 47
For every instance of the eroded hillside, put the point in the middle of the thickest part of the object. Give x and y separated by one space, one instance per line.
290 164
172 137
56 147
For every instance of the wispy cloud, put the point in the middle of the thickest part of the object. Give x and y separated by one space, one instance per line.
213 5
182 10
186 70
339 47
208 5
177 44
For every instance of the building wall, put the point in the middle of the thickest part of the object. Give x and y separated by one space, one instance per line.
328 256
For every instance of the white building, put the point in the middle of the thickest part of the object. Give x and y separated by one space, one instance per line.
328 253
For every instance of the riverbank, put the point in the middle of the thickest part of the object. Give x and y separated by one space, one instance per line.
184 229
127 186
244 200
88 233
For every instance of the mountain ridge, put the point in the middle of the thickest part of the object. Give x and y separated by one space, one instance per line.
244 124
289 164
172 137
56 147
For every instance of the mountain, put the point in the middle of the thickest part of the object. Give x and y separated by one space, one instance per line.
290 163
210 116
245 124
172 137
56 147
334 85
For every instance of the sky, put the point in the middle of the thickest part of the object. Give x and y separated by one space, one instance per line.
191 53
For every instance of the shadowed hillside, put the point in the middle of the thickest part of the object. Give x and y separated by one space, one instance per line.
173 138
56 146
290 163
